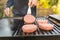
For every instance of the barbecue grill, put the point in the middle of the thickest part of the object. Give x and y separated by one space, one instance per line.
39 32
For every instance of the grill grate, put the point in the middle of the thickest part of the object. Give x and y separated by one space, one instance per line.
39 32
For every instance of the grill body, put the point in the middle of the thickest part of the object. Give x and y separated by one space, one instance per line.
39 32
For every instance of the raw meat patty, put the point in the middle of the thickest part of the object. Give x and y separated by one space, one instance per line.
42 21
46 26
29 28
29 19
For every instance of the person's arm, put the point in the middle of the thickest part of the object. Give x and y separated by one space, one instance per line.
8 5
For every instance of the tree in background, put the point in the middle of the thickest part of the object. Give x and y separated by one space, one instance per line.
53 4
58 8
48 4
45 7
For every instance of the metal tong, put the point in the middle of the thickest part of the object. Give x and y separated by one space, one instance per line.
29 10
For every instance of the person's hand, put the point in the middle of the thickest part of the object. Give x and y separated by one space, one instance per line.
32 3
7 11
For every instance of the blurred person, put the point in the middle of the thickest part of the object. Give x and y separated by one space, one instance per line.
20 10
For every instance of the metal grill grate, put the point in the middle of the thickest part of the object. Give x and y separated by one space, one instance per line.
39 32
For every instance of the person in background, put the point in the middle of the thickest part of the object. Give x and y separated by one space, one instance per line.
20 10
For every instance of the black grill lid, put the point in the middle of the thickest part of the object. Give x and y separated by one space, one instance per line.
54 17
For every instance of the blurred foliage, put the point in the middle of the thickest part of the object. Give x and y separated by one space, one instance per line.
2 3
54 9
53 2
46 4
1 10
43 4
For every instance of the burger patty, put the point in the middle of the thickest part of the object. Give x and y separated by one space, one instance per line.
29 28
28 19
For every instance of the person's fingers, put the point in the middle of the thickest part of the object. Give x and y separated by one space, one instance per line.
7 11
30 3
34 2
